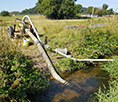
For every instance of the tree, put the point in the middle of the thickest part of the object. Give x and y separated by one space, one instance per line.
56 9
90 9
49 7
105 6
4 13
29 11
109 12
15 12
84 9
104 9
67 9
78 8
100 12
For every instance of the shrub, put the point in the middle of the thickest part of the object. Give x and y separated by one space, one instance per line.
4 13
68 65
17 76
111 94
86 43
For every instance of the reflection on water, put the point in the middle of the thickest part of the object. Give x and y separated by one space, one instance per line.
84 83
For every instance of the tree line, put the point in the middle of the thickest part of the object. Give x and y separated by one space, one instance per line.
100 11
24 12
60 9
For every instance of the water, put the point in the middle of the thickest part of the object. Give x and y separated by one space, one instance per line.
85 83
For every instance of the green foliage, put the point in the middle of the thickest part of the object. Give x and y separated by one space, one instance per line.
29 11
78 8
105 6
85 43
112 69
84 9
109 12
49 7
89 10
104 10
68 65
94 47
56 9
67 9
4 13
111 94
17 77
100 12
15 12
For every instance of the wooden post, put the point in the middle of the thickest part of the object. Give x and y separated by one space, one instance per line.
115 13
92 16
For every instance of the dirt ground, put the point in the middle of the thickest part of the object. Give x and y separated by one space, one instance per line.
33 53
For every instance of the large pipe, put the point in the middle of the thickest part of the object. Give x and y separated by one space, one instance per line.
82 59
46 57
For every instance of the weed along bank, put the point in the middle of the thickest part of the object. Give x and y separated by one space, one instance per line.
72 58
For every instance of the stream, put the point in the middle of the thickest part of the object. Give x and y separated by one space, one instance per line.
84 83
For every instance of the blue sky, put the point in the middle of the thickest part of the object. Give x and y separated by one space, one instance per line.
16 5
19 5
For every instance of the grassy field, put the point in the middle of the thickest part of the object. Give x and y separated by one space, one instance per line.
81 43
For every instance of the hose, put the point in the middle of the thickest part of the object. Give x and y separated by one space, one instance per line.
44 53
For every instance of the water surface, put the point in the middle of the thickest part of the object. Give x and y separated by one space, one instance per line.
85 82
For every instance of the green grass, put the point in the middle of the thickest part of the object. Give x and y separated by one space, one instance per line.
83 43
109 94
17 76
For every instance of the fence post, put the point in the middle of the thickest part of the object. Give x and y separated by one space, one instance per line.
115 13
92 17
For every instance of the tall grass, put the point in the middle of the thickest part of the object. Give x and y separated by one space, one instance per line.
83 43
110 94
17 76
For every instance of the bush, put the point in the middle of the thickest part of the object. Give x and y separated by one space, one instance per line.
111 94
4 13
68 65
17 76
86 43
